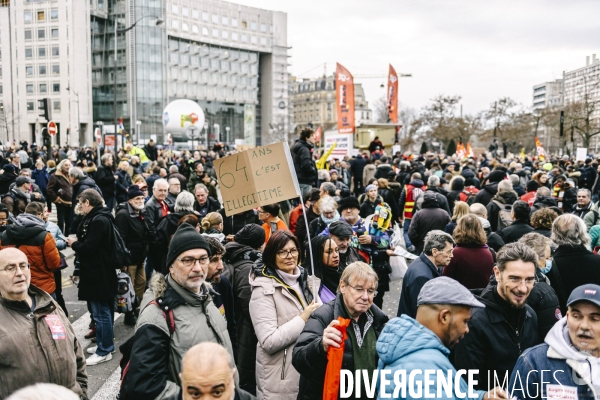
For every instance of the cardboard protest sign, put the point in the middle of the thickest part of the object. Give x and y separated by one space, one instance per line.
256 177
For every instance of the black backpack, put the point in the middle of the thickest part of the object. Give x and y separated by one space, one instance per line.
120 253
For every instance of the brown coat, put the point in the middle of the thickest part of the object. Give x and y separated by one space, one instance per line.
28 352
57 182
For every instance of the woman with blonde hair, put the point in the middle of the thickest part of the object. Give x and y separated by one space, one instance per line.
460 210
472 263
212 225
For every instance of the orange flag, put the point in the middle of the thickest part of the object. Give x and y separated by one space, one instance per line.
392 95
344 94
331 387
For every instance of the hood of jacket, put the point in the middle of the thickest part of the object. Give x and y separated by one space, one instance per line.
417 183
430 200
235 251
160 283
404 336
491 188
558 339
506 197
27 220
21 234
545 201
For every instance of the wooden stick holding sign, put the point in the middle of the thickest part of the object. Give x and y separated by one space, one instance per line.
257 177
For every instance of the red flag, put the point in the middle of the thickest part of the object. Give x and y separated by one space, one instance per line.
344 92
335 356
318 134
392 95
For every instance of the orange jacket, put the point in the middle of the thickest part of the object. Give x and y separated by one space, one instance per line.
41 253
294 216
281 226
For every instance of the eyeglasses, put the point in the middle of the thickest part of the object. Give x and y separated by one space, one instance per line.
283 254
516 281
361 291
262 212
191 261
12 269
446 253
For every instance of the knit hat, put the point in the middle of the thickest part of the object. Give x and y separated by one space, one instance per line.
251 235
369 187
532 186
185 238
9 168
348 202
496 176
458 184
134 191
333 171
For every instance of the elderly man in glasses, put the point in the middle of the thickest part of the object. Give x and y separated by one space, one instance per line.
177 313
354 301
34 331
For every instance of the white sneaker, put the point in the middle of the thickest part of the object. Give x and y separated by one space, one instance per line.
96 359
92 350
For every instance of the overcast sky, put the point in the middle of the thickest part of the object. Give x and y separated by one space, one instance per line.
479 50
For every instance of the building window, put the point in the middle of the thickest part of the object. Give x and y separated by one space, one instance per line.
30 106
263 27
204 16
205 31
43 88
56 87
224 20
42 69
175 9
29 88
244 24
56 106
175 24
41 34
54 33
234 22
184 27
253 26
185 11
215 19
27 16
254 39
41 16
195 29
55 51
28 53
195 14
27 34
42 52
263 41
244 38
29 70
55 69
215 33
54 15
225 35
100 4
234 36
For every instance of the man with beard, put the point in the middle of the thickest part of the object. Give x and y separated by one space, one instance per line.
507 326
135 234
424 343
571 346
223 292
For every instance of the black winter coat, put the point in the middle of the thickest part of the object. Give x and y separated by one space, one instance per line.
542 202
306 169
576 266
122 184
239 260
493 345
315 227
493 208
152 214
310 359
105 178
430 217
486 194
419 272
232 224
544 302
160 243
357 167
213 206
515 231
134 231
94 247
301 226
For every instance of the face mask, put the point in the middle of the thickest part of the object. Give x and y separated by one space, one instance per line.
548 267
328 221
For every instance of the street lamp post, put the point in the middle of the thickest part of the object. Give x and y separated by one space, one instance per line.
138 125
159 22
78 121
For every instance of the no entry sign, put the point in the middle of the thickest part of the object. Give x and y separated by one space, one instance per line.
52 129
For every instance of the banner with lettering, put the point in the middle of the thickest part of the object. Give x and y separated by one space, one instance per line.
344 92
392 95
256 177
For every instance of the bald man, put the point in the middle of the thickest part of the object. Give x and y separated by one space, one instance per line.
25 362
208 372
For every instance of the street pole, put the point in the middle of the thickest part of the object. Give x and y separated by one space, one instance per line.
115 85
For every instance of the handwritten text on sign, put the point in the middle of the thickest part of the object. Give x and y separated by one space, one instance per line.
256 177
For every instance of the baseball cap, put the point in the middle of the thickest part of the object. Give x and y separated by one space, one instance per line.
340 229
589 292
444 290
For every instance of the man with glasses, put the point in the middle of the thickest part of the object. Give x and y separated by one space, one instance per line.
437 253
507 326
29 358
354 301
174 190
177 313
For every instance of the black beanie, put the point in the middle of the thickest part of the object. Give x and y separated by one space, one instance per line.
134 191
251 235
496 176
532 186
185 238
348 202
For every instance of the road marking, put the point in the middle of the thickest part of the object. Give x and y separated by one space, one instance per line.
82 327
110 389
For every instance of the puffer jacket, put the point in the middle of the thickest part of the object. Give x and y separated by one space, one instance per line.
239 260
31 237
28 352
275 311
156 355
304 164
487 193
309 357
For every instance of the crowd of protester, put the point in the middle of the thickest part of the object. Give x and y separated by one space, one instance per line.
505 276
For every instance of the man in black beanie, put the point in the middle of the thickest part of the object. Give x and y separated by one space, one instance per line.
489 190
177 313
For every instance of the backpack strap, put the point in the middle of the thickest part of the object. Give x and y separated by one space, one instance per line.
167 313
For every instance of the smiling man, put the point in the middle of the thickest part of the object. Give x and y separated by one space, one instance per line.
177 313
571 346
507 326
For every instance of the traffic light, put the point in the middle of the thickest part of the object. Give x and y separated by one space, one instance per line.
44 105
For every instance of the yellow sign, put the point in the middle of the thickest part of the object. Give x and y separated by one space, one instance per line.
256 177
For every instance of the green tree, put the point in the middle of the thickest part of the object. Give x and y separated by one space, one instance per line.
424 148
451 149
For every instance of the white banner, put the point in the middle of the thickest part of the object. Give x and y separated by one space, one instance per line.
345 144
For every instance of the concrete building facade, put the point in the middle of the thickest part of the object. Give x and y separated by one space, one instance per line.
44 53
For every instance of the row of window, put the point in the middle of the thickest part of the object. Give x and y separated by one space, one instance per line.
42 70
41 34
221 65
55 106
42 88
186 74
226 35
212 93
41 52
184 46
215 19
39 16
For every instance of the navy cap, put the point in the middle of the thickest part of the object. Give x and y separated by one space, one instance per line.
589 292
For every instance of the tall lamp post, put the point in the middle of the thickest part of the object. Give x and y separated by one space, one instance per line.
78 125
159 21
